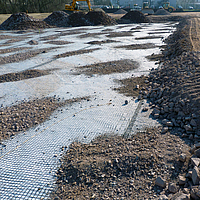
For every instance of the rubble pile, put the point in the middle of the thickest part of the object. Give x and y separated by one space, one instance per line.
114 167
162 12
100 18
22 21
57 18
179 41
135 16
174 95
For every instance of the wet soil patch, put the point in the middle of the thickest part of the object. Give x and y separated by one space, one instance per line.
58 42
23 56
27 74
72 53
2 51
138 46
114 167
149 37
120 34
28 114
132 86
110 67
102 42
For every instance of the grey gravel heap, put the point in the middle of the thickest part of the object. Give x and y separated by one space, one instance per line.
57 18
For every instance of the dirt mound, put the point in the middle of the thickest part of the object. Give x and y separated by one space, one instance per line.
135 16
57 18
162 12
22 21
120 11
78 19
100 18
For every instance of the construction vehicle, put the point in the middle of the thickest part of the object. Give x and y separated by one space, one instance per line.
166 6
74 6
146 8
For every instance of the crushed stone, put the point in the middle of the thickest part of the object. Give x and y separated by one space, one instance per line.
162 12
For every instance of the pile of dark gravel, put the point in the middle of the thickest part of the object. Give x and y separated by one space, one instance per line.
100 18
78 19
120 11
135 16
57 18
22 21
162 12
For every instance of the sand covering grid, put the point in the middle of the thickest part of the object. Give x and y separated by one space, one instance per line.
29 161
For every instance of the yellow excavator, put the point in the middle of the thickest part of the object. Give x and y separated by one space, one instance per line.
74 6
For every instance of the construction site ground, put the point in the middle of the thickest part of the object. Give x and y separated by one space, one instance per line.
72 124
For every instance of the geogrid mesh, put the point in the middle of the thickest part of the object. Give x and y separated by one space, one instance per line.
28 162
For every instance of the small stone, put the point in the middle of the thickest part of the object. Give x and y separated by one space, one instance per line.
145 109
160 182
126 102
137 87
195 175
182 180
173 188
188 127
164 130
193 123
195 161
197 153
182 157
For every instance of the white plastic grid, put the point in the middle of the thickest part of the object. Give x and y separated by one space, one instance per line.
28 162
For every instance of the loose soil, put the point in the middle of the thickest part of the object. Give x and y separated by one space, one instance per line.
108 67
72 53
102 42
137 46
23 56
9 50
11 77
114 167
28 114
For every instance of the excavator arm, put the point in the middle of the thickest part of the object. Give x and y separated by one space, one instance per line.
73 6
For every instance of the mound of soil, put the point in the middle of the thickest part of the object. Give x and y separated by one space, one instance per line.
22 21
78 19
110 67
100 18
113 167
135 16
57 18
162 12
120 11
